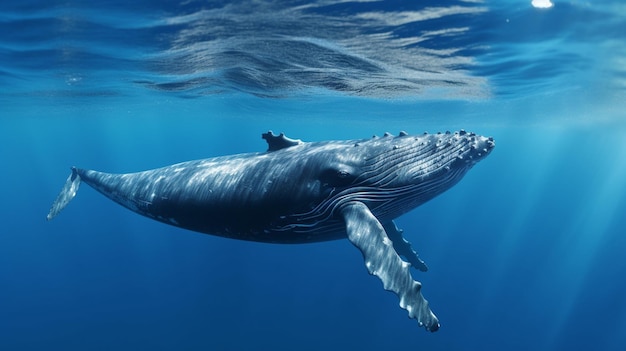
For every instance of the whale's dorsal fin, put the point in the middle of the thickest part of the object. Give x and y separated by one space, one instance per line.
368 235
277 142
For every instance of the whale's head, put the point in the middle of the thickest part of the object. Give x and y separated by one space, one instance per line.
310 183
394 174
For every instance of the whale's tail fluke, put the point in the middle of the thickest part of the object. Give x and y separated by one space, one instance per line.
66 195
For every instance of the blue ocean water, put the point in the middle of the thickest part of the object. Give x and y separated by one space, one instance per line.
525 253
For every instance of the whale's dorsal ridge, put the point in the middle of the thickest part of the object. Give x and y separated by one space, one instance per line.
277 142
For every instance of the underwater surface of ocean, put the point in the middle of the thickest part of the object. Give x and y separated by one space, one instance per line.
527 252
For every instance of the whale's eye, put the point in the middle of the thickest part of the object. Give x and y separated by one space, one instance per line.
336 177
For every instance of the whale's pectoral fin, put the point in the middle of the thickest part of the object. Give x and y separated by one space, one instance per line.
381 260
66 195
403 246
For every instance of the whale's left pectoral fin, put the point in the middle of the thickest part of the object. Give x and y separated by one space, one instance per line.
403 247
381 260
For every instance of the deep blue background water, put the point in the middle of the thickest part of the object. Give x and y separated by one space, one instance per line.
526 252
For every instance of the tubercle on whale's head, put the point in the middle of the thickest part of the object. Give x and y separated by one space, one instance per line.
476 147
427 154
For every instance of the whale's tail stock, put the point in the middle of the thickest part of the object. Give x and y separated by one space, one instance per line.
66 195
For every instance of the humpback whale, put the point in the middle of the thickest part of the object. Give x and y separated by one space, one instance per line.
303 192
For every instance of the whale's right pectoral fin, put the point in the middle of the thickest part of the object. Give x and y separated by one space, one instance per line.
368 235
66 195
